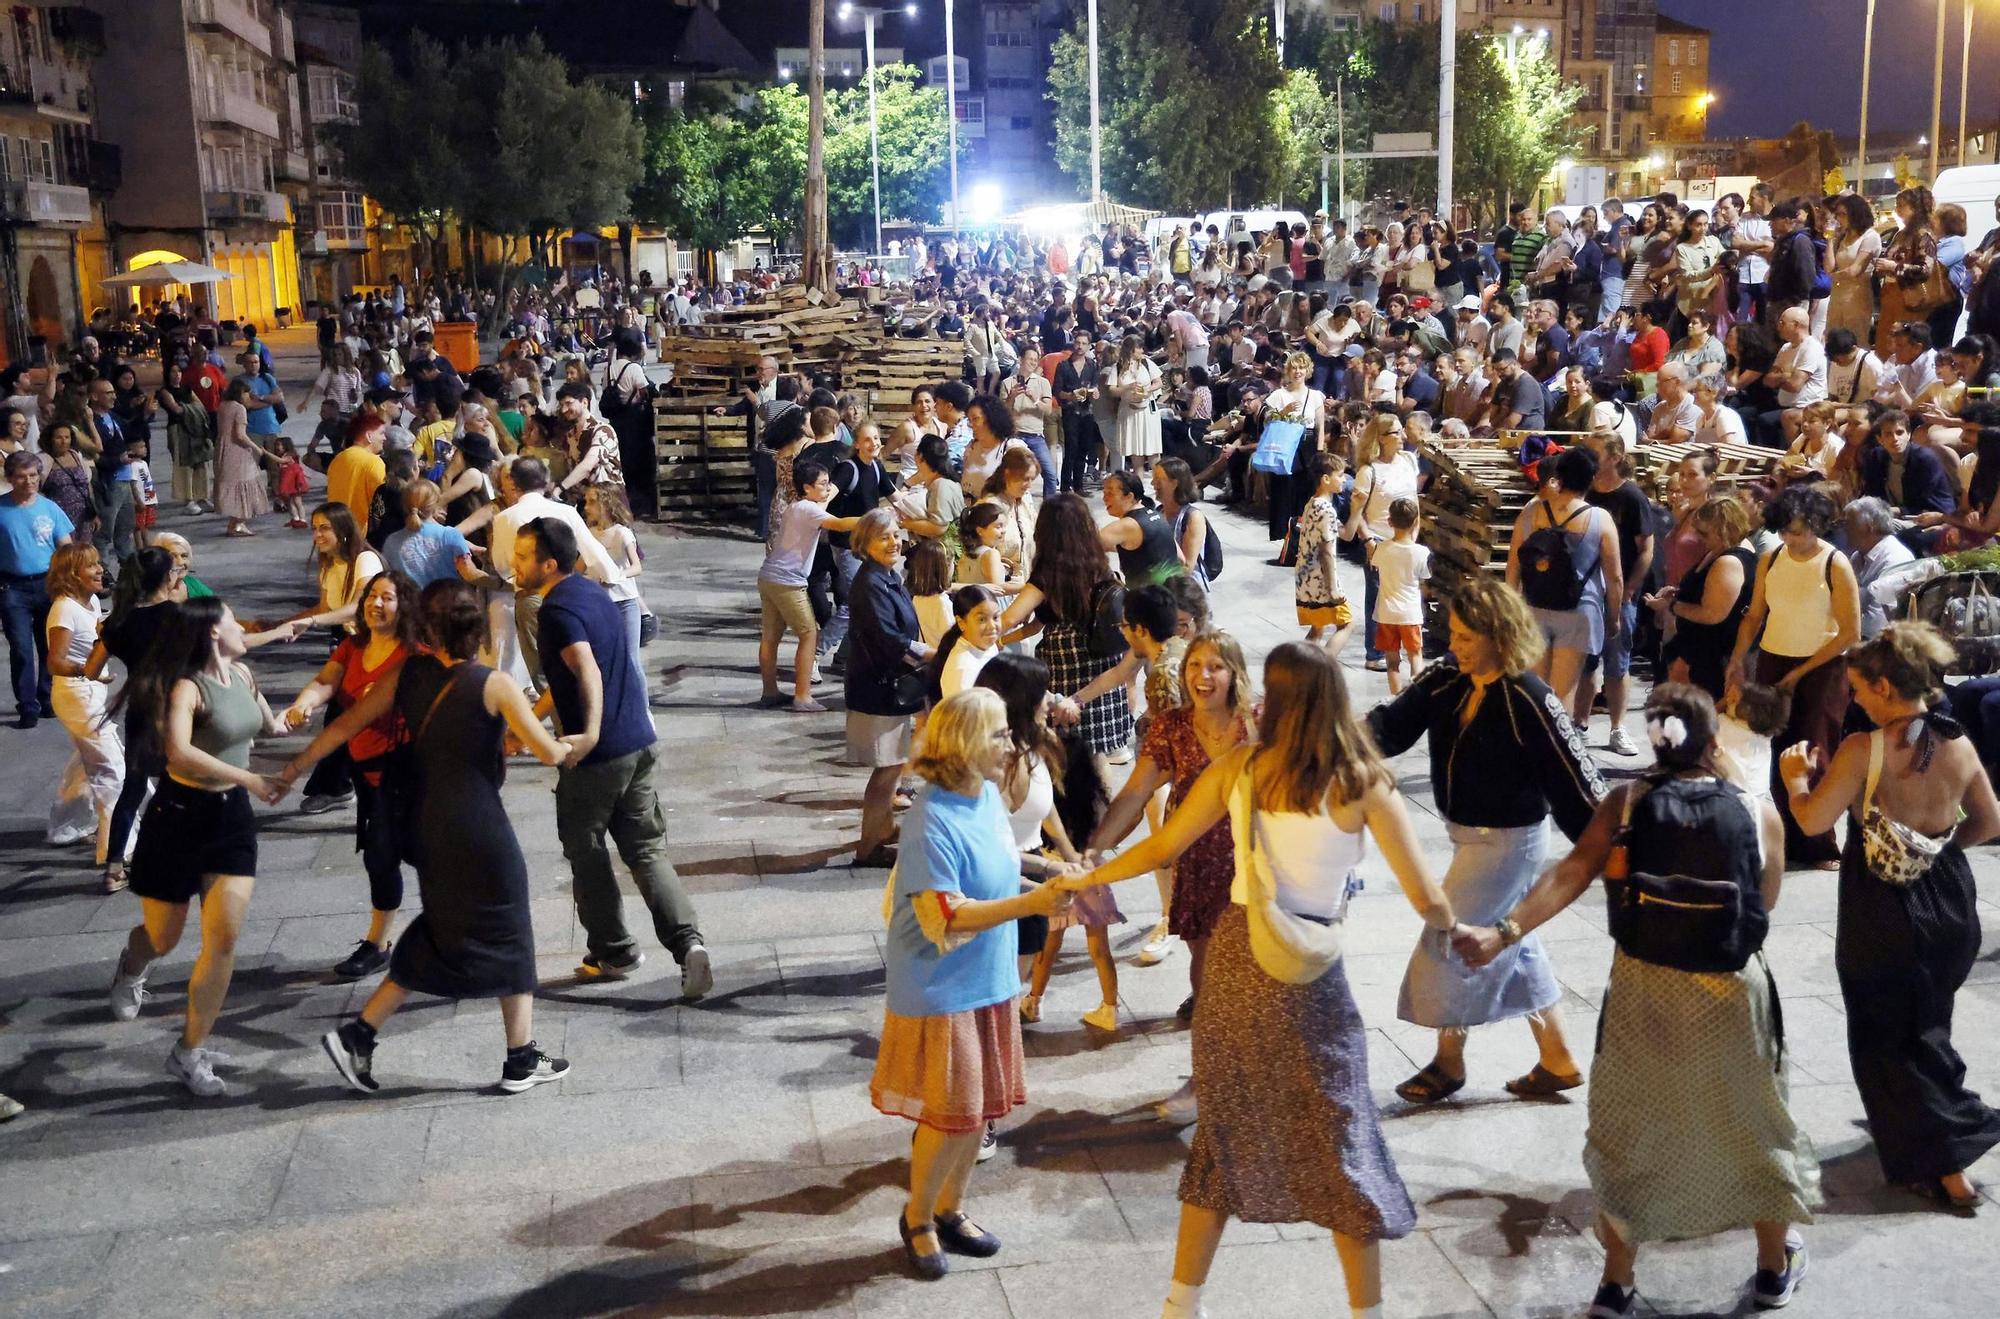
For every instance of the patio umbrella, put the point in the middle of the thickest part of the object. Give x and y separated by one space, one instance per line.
168 272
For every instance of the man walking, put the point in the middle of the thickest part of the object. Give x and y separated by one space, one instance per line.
605 786
31 526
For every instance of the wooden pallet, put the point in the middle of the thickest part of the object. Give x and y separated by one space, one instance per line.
704 460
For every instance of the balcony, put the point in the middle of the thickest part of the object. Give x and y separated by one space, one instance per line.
256 206
15 86
45 203
107 167
234 17
79 29
221 106
292 166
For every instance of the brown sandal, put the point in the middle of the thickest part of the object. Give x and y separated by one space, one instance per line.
1430 1085
1541 1083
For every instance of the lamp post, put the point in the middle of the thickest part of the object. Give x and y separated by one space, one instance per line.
1096 158
1867 54
1937 91
1278 29
951 110
1447 103
870 15
1964 77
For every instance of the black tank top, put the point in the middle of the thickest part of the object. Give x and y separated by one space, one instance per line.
1156 559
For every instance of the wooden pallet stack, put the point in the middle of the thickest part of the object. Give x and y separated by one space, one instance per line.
704 459
1469 508
885 373
1737 465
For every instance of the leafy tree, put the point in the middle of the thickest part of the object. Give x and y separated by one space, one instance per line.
399 149
1185 94
1303 119
1513 122
915 152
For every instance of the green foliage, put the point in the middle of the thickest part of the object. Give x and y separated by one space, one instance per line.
1186 95
402 153
914 148
1513 122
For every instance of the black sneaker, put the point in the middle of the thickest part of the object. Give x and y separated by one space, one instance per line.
1185 1012
1773 1291
605 968
365 960
355 1064
532 1068
1613 1302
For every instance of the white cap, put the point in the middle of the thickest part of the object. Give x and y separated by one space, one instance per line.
1468 303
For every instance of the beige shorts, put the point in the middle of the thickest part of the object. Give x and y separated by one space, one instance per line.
785 607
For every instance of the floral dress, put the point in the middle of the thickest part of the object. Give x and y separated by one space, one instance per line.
68 487
1203 873
1310 587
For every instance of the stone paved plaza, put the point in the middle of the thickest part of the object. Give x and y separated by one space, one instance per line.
722 1159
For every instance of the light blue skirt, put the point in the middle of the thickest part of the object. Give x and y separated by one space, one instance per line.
1491 871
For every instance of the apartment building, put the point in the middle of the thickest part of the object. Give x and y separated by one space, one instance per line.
203 98
340 232
54 174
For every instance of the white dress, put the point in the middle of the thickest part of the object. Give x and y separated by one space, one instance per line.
1138 424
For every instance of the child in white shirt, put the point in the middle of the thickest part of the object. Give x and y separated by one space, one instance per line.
1743 736
1401 568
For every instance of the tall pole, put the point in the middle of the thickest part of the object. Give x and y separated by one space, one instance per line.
1340 134
1447 102
819 266
1278 29
1096 127
1964 77
1867 54
1937 93
951 109
874 136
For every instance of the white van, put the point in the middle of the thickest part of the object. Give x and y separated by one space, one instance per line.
1237 226
1974 187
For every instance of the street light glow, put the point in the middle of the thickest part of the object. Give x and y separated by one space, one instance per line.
910 10
982 204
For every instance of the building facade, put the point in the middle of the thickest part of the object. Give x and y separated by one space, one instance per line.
339 231
54 174
203 98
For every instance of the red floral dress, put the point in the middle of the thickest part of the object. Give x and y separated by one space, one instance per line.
1202 875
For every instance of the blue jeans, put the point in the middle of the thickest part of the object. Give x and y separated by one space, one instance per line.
1610 292
1976 704
1037 445
629 611
24 617
1370 583
833 637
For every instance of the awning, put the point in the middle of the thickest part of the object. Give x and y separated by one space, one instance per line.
165 273
1071 216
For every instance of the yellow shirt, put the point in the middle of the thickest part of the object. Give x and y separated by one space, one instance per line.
351 479
426 440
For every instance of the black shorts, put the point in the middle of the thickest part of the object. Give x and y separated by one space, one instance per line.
187 833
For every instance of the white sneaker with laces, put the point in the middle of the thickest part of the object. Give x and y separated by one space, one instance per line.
127 993
697 976
195 1069
1620 742
1159 944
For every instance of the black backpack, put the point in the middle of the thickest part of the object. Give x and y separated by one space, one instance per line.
1549 578
1211 546
1684 885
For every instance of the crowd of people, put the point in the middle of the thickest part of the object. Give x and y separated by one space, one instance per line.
1024 680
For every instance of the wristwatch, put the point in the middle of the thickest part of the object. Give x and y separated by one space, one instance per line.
1510 931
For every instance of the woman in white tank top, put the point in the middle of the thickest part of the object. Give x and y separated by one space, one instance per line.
1289 1130
1805 612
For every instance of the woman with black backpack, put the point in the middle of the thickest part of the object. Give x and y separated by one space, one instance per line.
1909 912
1690 1133
1564 558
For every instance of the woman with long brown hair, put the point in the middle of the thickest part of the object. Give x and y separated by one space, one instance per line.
1905 265
1288 1130
1069 576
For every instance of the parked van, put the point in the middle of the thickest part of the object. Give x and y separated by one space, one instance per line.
1237 226
1974 187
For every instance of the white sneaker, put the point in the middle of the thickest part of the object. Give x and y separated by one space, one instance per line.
127 993
1620 743
1122 756
195 1069
1177 1109
1159 944
697 976
194 507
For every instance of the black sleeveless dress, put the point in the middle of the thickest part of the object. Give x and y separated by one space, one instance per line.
474 937
1707 646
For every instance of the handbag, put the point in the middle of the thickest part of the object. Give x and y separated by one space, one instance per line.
1288 947
401 795
1934 290
1896 853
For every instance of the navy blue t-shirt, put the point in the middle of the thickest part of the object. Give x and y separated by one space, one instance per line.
578 609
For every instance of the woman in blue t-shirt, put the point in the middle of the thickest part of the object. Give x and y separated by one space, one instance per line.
950 1057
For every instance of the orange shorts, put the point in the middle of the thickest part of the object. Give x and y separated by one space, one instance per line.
1405 637
1336 615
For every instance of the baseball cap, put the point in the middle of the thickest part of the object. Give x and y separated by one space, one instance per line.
1468 303
1353 350
1257 282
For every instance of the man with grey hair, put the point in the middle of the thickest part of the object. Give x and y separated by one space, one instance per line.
1879 559
1675 417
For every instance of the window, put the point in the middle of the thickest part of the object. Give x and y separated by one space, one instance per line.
1674 82
1694 53
1022 123
1417 12
6 159
1387 12
971 110
1345 22
331 95
343 217
1674 51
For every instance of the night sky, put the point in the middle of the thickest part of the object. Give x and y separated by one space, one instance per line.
1779 61
1776 61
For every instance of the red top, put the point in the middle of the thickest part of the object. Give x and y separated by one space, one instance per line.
356 678
1649 351
207 383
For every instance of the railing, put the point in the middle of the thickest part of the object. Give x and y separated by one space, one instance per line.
234 17
45 203
293 165
230 107
235 204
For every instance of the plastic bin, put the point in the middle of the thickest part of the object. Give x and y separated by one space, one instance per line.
458 343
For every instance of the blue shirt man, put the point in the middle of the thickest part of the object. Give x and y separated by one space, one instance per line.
31 527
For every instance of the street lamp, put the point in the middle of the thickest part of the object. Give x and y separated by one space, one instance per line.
1096 128
1937 90
870 15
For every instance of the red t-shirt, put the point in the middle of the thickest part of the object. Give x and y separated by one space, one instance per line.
1649 351
356 679
206 382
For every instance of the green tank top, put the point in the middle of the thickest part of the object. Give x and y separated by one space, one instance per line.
228 720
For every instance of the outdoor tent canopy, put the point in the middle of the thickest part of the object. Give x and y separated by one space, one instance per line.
165 273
